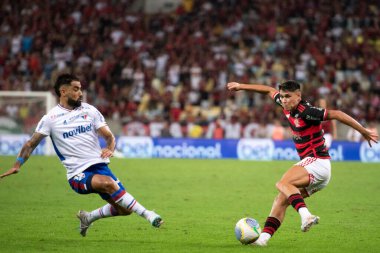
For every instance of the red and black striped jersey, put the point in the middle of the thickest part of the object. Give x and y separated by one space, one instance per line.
306 126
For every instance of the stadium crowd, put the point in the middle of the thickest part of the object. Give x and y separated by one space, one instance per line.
165 75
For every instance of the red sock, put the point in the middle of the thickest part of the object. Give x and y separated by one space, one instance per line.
296 201
271 225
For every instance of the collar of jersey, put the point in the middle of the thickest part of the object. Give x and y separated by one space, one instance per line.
63 108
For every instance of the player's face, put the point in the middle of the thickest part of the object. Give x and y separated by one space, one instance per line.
74 94
290 99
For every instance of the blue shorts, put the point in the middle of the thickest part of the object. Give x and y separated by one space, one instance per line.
81 183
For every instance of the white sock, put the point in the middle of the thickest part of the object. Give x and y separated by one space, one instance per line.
129 202
264 236
304 213
103 212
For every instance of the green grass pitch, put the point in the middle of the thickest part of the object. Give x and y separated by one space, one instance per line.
200 201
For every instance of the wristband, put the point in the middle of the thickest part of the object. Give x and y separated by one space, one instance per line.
20 160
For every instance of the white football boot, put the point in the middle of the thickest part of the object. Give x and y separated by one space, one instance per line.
84 223
262 241
309 222
154 219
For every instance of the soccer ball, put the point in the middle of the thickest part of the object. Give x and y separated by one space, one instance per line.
247 230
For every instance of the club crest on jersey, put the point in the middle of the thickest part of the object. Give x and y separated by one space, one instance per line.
82 115
79 177
296 122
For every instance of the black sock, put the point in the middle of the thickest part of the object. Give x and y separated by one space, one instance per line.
296 201
271 225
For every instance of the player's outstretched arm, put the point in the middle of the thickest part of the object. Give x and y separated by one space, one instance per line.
348 120
106 133
24 154
260 88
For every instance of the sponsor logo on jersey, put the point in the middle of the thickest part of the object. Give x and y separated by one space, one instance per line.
308 117
77 130
54 116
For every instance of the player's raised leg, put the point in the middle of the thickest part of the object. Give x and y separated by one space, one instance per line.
124 199
298 177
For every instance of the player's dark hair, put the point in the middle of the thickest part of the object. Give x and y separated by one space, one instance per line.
63 79
290 85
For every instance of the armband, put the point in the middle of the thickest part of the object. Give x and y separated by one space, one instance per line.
20 160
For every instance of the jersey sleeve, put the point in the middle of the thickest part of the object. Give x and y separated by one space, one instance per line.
43 127
314 114
276 98
99 120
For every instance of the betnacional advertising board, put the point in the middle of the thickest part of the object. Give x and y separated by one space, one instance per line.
242 149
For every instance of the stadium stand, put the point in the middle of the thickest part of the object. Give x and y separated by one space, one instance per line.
167 72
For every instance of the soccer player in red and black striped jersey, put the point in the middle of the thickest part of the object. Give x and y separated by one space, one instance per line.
313 172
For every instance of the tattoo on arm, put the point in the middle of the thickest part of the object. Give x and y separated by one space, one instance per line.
30 145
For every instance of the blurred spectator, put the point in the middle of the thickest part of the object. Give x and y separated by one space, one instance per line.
250 130
329 126
156 126
372 127
233 128
135 128
12 110
263 131
215 129
278 131
165 131
176 129
159 64
353 135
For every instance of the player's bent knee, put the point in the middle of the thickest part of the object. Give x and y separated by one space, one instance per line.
282 185
110 185
279 185
104 184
